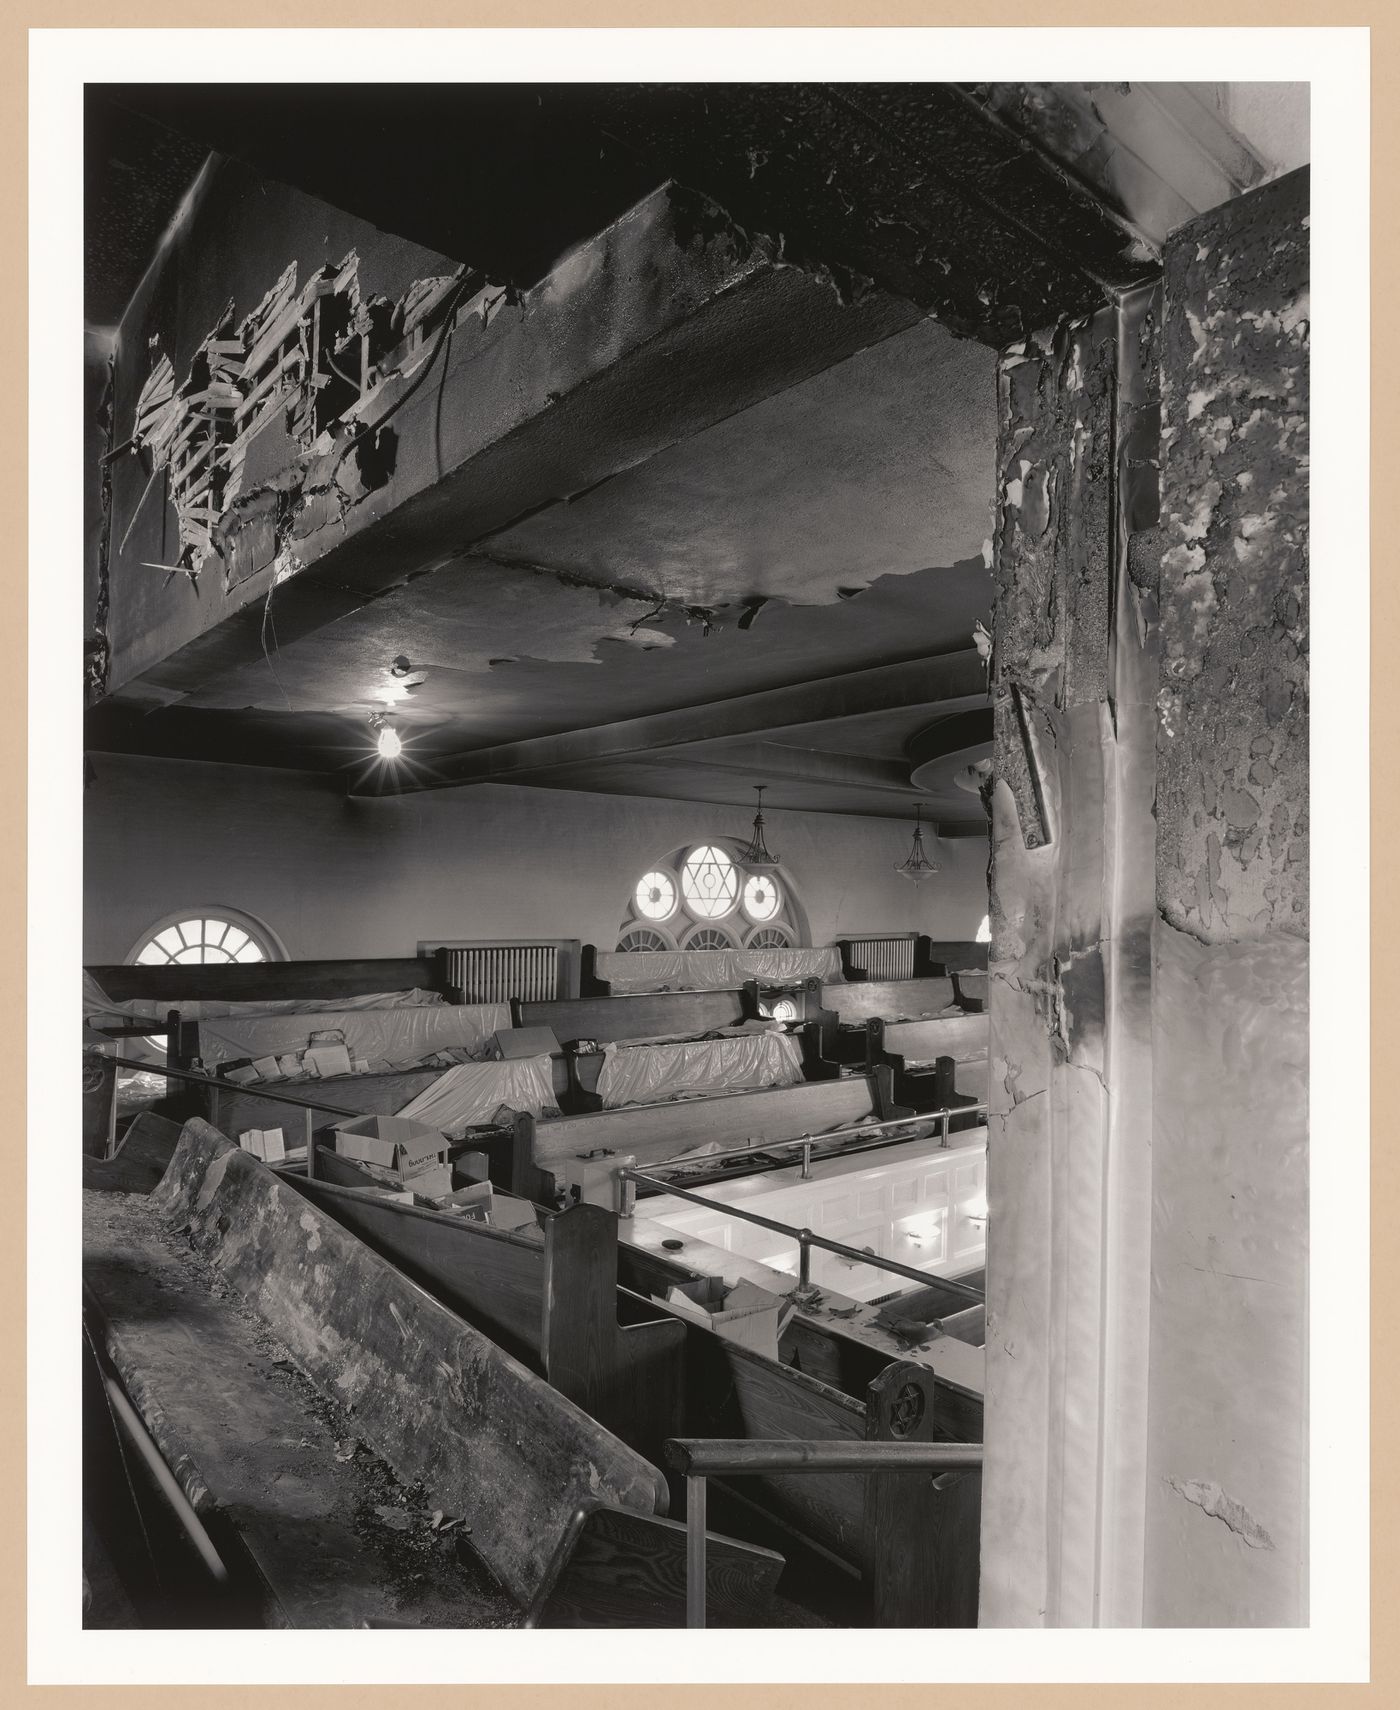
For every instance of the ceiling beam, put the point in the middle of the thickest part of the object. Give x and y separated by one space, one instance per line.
949 682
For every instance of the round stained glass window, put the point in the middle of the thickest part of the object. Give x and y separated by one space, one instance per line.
709 883
761 898
655 896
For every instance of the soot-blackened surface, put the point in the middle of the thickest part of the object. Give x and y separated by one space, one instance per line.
1232 802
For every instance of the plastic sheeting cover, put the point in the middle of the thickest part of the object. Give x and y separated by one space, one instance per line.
712 970
649 1073
471 1094
399 1037
97 1004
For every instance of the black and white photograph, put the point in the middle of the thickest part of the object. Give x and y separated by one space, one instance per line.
695 850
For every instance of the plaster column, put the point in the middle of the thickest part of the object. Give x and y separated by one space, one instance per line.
1146 1323
1074 681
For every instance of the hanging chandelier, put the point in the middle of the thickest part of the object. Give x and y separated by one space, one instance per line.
754 856
916 865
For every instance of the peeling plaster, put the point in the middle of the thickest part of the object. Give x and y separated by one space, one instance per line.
1235 571
1212 1500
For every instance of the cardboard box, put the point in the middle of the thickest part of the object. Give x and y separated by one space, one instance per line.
289 1065
328 1060
268 1144
507 1212
395 1143
268 1068
431 1184
469 1167
593 1181
745 1313
524 1042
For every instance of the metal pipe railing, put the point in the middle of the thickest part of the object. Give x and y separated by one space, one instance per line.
700 1458
308 1105
804 1142
805 1239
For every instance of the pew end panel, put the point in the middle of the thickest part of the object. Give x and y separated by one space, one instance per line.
618 1568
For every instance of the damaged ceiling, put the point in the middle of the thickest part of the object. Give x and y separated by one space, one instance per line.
641 464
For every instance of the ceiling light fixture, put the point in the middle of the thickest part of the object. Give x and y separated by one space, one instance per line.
916 865
754 856
389 741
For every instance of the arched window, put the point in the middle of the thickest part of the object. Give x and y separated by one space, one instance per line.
700 898
644 938
205 935
709 938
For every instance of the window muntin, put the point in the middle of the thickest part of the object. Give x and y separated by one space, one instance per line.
768 938
709 883
762 898
709 938
203 939
640 937
655 896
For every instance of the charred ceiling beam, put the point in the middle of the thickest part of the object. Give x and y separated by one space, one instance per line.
522 404
919 188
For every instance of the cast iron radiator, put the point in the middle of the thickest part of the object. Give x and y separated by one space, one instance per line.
495 973
882 958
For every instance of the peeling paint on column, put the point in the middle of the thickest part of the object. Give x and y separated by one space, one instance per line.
1052 547
1233 730
1072 900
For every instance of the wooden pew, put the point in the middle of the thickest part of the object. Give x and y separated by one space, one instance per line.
548 1296
555 1303
836 1034
538 1151
488 1441
646 1016
938 1064
600 968
253 982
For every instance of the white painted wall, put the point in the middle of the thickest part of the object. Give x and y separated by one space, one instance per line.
339 877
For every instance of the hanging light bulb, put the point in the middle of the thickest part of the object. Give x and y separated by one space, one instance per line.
916 865
754 856
388 740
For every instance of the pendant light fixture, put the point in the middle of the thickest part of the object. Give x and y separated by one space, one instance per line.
916 865
387 739
754 856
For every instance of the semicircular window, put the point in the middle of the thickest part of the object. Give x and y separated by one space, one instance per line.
710 938
202 938
769 938
644 938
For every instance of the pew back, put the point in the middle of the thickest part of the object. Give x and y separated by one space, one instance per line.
253 982
443 1405
642 1016
653 1132
961 1037
889 1000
